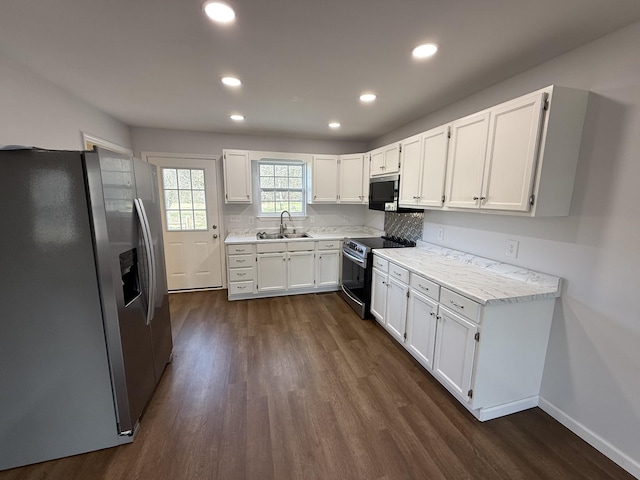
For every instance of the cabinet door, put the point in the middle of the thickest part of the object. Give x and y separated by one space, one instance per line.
514 136
377 164
421 328
455 349
301 269
350 180
237 176
465 165
391 158
435 146
396 316
410 167
366 165
328 268
324 173
271 271
378 295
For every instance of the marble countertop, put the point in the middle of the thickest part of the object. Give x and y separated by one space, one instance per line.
322 233
481 279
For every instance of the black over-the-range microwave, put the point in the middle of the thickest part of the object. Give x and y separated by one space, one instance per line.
383 195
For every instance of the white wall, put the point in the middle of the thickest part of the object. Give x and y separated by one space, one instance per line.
207 143
592 371
36 112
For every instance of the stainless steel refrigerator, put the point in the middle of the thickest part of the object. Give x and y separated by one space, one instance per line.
85 332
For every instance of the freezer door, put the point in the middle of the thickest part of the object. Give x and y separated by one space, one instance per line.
119 249
147 193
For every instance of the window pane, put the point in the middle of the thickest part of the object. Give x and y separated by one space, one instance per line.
197 177
266 182
199 200
187 220
297 196
173 220
295 183
295 170
171 199
266 170
281 171
184 178
169 178
270 196
268 207
185 200
200 218
282 182
280 206
295 207
282 196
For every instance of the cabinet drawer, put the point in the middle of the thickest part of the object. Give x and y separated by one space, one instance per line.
236 261
427 287
240 274
460 304
398 273
271 247
301 246
380 263
329 245
240 249
240 287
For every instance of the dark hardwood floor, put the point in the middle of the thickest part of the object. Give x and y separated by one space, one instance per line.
301 388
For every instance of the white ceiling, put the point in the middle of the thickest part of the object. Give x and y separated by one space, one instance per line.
158 63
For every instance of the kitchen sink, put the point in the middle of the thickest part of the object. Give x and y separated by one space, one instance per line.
268 236
296 235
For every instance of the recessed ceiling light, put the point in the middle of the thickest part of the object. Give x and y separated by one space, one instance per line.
231 81
236 117
425 50
334 125
219 12
368 97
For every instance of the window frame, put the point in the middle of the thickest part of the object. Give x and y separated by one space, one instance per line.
302 190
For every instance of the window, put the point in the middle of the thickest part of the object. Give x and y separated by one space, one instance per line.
281 187
184 198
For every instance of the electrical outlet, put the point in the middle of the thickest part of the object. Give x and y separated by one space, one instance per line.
345 218
512 248
250 220
235 218
440 233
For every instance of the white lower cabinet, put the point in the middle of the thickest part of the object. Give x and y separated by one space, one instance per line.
422 314
272 271
269 269
454 351
490 357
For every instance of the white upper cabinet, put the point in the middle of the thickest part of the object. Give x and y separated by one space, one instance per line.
237 176
423 167
385 160
323 179
518 157
352 178
514 137
466 161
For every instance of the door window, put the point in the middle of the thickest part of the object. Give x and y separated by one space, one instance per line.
184 198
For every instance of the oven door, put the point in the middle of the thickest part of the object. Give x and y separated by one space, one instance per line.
355 287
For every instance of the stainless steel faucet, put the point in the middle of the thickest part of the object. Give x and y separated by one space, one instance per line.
282 226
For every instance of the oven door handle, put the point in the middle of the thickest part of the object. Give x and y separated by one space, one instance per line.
355 260
348 294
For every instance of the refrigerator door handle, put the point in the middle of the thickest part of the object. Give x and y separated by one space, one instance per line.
146 237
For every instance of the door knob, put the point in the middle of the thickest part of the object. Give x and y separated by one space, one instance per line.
215 235
214 227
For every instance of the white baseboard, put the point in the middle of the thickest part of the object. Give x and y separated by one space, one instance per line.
490 413
615 454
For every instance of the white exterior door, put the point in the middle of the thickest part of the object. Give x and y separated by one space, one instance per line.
190 221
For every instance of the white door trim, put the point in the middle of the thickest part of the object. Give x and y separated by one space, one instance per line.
220 189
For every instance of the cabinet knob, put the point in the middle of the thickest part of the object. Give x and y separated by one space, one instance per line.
432 314
476 198
247 197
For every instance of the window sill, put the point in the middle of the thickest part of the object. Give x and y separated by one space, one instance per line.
277 217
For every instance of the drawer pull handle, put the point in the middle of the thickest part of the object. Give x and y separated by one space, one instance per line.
240 261
398 274
432 314
422 286
242 288
456 304
239 249
241 274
